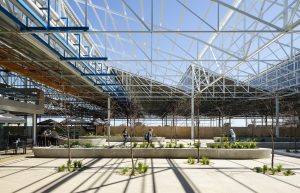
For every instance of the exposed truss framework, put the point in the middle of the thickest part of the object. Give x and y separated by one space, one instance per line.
167 49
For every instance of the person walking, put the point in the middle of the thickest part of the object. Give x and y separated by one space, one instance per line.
125 136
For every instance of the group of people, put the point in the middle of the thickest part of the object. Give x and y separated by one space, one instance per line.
147 136
48 137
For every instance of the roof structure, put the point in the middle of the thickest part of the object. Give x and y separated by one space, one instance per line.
154 54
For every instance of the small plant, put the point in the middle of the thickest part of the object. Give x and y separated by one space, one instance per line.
169 145
61 168
219 146
70 168
273 171
135 144
258 169
226 146
75 163
265 169
205 161
213 145
88 145
197 145
140 167
246 145
152 145
288 150
145 168
289 172
143 145
239 146
279 167
124 170
74 143
191 161
253 145
181 145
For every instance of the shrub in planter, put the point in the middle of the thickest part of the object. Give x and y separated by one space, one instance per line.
273 171
143 145
219 146
145 168
212 145
134 144
75 163
152 145
226 146
279 167
239 146
289 173
258 169
205 161
253 145
140 167
61 168
181 145
191 161
124 170
196 145
264 169
88 145
246 146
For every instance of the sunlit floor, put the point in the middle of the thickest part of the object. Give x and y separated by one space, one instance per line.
164 175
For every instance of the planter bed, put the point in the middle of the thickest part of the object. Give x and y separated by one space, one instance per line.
47 152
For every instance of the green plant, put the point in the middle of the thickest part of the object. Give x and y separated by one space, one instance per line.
152 145
258 169
143 145
74 143
246 145
69 167
145 168
253 145
75 163
135 144
265 169
140 167
169 145
273 171
88 145
197 145
213 145
289 172
181 145
191 161
226 145
288 150
205 161
279 167
61 168
238 145
124 170
219 146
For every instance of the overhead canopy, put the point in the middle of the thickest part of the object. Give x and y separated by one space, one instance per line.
6 117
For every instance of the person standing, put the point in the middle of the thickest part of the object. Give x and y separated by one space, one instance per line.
148 137
232 136
125 136
54 136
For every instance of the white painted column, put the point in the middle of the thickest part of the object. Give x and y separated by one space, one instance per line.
192 105
277 115
108 119
34 129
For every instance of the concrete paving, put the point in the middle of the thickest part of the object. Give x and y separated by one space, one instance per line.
164 175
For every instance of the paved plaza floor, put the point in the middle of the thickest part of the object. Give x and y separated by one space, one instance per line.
30 174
